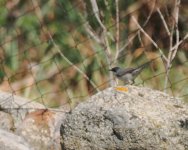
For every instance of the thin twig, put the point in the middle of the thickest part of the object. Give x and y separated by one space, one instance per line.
96 13
164 22
117 29
149 38
177 30
106 45
170 34
129 40
87 26
91 33
69 62
180 42
60 52
150 13
172 53
132 37
167 67
142 30
140 39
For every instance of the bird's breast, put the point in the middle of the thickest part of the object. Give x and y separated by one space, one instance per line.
126 77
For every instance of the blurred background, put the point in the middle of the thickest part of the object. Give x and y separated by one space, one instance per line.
59 51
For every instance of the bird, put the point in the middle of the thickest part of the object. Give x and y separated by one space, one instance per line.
128 75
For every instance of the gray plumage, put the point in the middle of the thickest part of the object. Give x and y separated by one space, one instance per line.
128 75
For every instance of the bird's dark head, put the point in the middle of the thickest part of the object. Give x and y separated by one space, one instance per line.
115 69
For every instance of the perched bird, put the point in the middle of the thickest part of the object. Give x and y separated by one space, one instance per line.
128 75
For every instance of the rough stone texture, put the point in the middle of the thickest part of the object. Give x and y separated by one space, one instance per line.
17 106
31 122
140 119
9 141
6 121
41 129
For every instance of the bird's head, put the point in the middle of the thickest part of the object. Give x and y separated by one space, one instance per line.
115 69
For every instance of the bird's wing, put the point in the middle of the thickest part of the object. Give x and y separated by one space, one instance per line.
144 65
125 71
134 71
137 70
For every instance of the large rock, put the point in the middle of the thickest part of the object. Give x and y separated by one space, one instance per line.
6 121
138 119
9 141
41 129
17 106
31 122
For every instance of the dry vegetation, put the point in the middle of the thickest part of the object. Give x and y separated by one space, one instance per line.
59 51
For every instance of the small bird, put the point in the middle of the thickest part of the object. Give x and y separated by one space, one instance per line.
128 75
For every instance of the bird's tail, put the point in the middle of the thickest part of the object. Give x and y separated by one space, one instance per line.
140 68
144 65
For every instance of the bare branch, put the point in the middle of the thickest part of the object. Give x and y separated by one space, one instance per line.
88 27
172 53
117 28
91 33
177 29
149 38
150 13
129 40
140 39
68 61
38 13
132 37
180 42
142 30
106 45
164 22
96 13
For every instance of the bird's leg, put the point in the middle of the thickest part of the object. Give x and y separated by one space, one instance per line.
116 80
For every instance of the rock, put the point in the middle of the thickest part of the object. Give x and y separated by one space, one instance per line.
38 126
6 121
139 119
9 141
17 106
41 129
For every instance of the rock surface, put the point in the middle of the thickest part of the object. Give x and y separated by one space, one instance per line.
140 119
41 129
6 121
17 106
9 141
26 121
